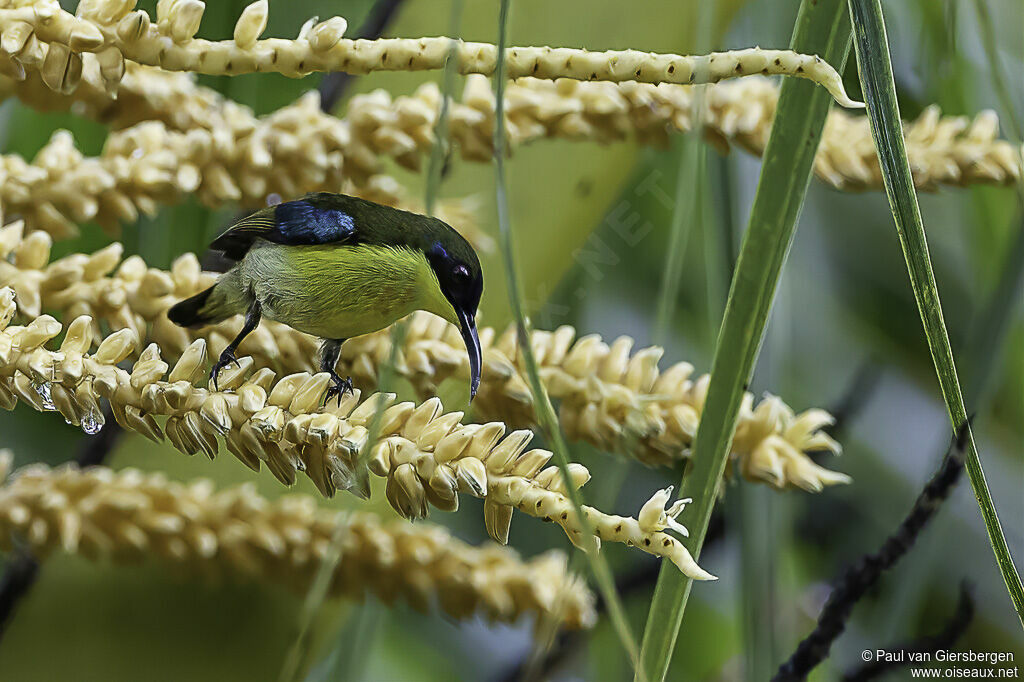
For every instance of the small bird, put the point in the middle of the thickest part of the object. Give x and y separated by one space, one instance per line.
336 267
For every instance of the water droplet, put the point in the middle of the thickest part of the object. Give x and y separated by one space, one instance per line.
92 422
43 390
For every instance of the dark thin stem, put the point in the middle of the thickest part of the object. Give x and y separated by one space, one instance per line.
857 580
22 568
334 85
20 574
955 627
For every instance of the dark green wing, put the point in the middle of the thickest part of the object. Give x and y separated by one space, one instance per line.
306 221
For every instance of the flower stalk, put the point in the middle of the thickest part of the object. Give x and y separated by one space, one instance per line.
113 30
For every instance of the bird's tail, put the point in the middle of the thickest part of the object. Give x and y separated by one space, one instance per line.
196 310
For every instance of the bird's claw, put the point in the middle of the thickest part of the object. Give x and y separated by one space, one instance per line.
226 358
339 387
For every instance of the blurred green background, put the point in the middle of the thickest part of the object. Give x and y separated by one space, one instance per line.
844 305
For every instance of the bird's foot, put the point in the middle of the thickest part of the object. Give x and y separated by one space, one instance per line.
226 358
339 387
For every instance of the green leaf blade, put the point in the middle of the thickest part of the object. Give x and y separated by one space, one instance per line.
822 28
875 69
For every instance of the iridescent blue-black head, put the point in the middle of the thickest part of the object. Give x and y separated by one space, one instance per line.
461 281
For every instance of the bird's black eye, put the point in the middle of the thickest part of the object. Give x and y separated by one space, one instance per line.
460 273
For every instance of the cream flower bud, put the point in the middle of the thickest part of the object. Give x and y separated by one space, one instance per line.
326 34
184 19
654 517
110 11
191 363
62 68
497 520
251 24
164 9
14 37
111 65
306 28
116 347
133 26
85 37
472 476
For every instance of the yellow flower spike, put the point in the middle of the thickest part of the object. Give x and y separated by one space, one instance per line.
279 436
739 112
236 532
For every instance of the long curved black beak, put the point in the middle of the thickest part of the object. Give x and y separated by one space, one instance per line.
468 327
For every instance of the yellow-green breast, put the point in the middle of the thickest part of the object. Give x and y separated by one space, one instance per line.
338 292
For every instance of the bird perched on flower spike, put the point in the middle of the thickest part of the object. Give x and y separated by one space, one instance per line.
336 267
